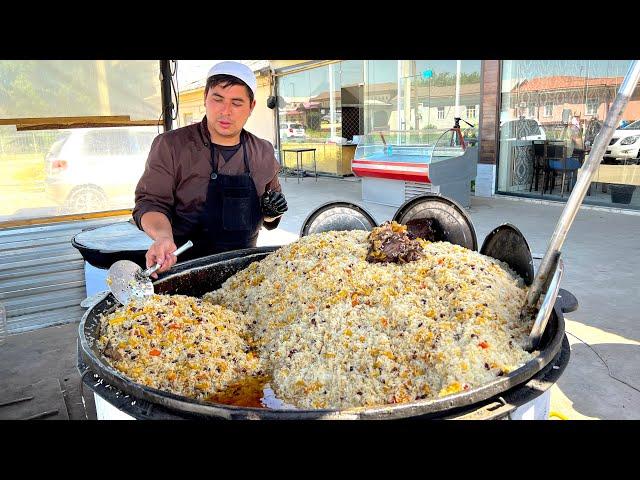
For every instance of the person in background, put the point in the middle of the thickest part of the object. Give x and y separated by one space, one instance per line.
575 142
212 182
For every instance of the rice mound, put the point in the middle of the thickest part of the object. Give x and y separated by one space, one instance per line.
335 331
179 344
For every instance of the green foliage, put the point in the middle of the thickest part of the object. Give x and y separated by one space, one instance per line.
444 79
313 120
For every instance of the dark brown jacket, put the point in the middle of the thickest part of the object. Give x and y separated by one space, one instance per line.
178 168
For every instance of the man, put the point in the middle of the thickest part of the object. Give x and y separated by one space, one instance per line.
213 182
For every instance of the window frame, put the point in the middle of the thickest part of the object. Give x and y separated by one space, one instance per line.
474 109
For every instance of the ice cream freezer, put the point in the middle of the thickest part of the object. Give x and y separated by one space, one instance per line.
393 172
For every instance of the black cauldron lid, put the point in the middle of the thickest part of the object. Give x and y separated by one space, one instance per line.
337 216
507 243
103 245
448 219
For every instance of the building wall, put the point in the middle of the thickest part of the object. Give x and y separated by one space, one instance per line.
489 119
262 119
488 128
191 107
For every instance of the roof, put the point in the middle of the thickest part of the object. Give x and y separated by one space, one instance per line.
558 82
423 90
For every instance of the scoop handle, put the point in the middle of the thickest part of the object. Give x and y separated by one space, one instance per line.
184 247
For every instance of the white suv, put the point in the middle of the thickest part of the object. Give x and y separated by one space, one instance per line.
292 130
625 143
96 169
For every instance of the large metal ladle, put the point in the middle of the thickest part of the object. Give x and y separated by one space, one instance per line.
551 260
127 280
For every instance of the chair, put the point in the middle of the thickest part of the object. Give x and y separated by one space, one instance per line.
539 163
558 163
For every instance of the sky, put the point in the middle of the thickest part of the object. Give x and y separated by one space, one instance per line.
192 70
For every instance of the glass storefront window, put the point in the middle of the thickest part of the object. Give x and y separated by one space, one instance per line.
416 101
420 95
550 113
50 169
322 110
338 103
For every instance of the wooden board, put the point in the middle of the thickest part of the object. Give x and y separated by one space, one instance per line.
56 123
47 402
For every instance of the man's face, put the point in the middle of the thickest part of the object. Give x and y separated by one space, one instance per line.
228 109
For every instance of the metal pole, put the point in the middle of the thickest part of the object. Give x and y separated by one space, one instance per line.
429 109
579 191
165 92
399 86
458 62
332 104
276 114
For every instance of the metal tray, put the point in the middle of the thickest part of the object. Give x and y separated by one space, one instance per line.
337 216
507 243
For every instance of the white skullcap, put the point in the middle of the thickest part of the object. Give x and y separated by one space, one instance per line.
236 69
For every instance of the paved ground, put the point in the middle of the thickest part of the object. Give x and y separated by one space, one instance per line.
602 260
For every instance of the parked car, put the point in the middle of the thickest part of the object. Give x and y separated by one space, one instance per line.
522 129
625 144
96 169
292 130
327 118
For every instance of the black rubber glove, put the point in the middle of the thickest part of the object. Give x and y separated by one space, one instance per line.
273 204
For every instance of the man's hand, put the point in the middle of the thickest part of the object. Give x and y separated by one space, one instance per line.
273 205
161 251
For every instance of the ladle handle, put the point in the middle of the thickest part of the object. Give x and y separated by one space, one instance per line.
178 251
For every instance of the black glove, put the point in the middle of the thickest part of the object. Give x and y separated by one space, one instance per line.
273 204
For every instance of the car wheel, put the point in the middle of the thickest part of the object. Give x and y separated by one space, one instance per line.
84 199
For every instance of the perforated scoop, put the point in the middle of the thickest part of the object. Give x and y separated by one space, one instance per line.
127 280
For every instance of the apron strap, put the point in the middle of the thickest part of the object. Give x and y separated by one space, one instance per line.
214 169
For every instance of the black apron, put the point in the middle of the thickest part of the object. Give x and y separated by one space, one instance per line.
232 215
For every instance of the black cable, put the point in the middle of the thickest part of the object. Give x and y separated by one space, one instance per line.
605 363
161 108
172 73
174 87
160 121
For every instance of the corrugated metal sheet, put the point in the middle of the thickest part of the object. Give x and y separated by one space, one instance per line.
42 275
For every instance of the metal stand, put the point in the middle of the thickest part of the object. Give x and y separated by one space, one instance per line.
299 170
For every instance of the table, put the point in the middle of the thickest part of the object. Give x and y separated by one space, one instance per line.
299 152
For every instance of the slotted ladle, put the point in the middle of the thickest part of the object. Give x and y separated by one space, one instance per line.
127 280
